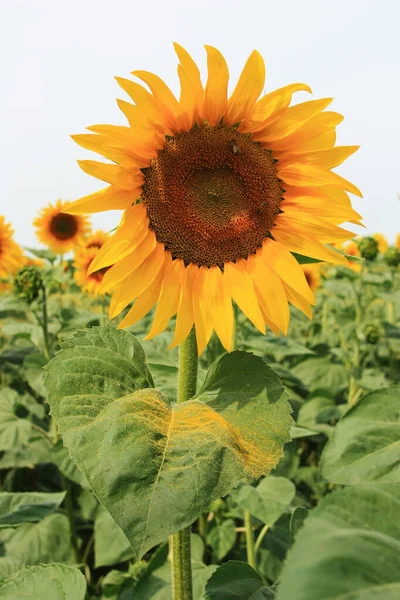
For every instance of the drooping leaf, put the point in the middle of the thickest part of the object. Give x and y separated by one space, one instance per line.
154 465
348 548
268 500
21 507
111 545
34 543
14 431
365 445
53 581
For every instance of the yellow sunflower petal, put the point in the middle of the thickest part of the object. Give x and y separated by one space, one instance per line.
118 246
220 305
307 246
136 283
327 158
126 179
202 318
286 266
309 132
309 175
142 98
274 302
298 300
141 249
247 90
100 144
185 316
297 221
167 104
270 104
110 198
215 95
291 120
145 302
243 293
192 92
168 301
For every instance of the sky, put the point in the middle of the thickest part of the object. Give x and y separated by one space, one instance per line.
58 61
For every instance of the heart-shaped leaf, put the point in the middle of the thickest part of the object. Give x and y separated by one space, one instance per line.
156 465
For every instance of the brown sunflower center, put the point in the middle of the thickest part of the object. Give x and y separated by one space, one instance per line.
212 195
63 226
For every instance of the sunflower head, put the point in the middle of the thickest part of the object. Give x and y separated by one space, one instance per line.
368 247
28 283
392 257
383 244
58 230
397 241
312 273
11 256
217 191
89 282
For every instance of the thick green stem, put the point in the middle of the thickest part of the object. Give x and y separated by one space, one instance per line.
45 325
179 543
251 555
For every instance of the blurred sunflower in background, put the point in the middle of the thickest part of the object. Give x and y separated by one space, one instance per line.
351 248
58 230
383 244
11 255
84 254
217 193
397 242
312 273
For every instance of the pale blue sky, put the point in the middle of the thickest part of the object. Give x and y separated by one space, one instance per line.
58 59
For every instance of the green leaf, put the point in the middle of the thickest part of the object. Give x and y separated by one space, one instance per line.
67 466
221 538
154 465
235 580
17 508
34 543
322 374
14 431
111 546
269 500
46 254
365 445
348 548
54 581
34 373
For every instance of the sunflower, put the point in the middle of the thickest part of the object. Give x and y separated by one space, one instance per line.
89 282
312 273
11 256
351 248
217 192
58 230
397 242
382 242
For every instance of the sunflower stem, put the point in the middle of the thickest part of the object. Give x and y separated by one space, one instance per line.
179 542
45 325
251 555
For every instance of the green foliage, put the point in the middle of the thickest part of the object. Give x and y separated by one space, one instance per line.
348 547
24 507
55 581
236 581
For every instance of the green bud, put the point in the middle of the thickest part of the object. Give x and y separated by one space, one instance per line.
28 283
368 247
392 257
372 333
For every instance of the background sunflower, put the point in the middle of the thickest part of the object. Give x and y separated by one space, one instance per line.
11 256
217 193
58 230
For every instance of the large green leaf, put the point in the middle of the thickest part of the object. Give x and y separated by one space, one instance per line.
365 445
53 581
348 548
322 374
34 543
14 431
18 508
268 500
154 465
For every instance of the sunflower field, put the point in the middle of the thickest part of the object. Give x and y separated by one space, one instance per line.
202 404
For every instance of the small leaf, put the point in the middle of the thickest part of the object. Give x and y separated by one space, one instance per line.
14 431
221 538
22 507
235 580
365 445
348 548
154 465
269 500
53 581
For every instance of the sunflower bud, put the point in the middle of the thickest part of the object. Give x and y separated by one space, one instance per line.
372 333
368 247
27 284
392 257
